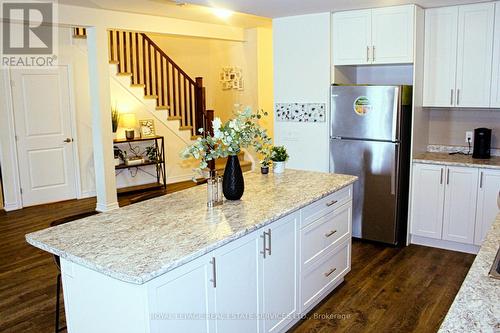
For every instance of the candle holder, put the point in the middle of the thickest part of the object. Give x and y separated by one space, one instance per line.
215 197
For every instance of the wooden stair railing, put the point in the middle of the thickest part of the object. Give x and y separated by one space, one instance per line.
137 56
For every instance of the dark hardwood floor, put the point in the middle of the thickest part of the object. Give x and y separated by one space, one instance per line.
391 290
388 289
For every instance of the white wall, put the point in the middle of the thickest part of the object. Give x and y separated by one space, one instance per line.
302 74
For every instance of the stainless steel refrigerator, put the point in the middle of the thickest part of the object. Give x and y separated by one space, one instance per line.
370 138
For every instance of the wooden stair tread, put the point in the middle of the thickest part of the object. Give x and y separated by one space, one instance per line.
163 107
174 118
185 128
124 74
114 62
138 85
150 96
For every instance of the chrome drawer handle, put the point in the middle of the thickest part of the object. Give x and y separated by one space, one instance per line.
331 203
328 234
330 272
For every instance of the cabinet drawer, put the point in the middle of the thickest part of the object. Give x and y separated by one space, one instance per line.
324 273
324 206
324 233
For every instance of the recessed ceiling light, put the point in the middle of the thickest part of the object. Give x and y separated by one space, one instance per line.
222 13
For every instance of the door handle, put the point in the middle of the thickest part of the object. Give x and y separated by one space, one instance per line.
448 177
367 54
451 97
328 234
266 247
442 174
68 140
458 96
373 53
481 180
214 273
395 172
330 272
331 203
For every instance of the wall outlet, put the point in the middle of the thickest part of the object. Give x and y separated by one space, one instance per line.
468 136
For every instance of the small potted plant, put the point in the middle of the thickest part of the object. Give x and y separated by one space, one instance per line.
118 153
264 164
279 157
152 154
115 119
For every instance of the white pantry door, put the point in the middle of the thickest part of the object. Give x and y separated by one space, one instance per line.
44 137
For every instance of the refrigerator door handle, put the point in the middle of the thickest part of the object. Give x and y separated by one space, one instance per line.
395 114
395 171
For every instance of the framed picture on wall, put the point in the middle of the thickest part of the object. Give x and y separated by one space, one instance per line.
147 128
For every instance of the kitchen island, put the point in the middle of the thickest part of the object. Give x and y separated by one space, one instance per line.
170 264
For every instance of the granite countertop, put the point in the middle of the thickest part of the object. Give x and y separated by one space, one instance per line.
458 160
476 307
139 242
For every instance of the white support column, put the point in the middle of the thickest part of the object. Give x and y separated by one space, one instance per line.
105 180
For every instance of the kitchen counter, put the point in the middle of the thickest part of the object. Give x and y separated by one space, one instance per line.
476 307
457 160
139 242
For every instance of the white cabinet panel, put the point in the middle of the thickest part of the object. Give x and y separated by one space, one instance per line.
237 285
427 200
392 34
495 83
487 203
180 294
440 56
460 204
352 37
475 51
279 274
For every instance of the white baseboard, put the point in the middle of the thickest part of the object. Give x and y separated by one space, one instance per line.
87 194
11 206
106 207
444 244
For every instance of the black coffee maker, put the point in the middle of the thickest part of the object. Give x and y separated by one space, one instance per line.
482 143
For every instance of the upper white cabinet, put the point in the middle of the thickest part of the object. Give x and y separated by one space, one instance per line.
352 40
487 203
440 56
374 36
392 35
458 55
495 80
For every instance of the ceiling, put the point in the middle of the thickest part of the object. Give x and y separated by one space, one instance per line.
279 8
169 8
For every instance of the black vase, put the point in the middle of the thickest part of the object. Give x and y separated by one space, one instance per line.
233 184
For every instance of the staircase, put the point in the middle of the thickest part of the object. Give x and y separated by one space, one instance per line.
136 56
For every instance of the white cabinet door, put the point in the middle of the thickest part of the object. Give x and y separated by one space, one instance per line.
487 203
495 82
237 285
474 56
427 200
352 37
392 34
178 295
440 56
460 204
279 273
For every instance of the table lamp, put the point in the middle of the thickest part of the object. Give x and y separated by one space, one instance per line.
129 121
